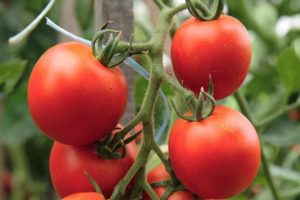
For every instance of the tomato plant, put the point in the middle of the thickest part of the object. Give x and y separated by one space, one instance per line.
72 97
77 94
160 174
217 157
85 196
218 48
68 165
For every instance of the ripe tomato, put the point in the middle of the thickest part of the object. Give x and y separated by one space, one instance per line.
85 196
72 97
6 184
160 174
68 163
217 157
294 115
220 48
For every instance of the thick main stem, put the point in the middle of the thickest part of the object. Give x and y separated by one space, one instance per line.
147 108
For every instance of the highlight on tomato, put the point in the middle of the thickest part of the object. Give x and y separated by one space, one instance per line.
217 157
219 49
68 165
72 97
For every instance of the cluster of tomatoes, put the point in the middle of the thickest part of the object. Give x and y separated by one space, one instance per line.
219 156
76 101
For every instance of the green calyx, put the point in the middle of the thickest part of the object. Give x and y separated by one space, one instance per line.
205 10
201 107
114 147
107 53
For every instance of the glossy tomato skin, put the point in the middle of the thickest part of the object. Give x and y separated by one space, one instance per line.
68 163
217 157
220 48
160 174
85 196
72 97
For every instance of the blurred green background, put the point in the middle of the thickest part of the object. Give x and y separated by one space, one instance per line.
273 84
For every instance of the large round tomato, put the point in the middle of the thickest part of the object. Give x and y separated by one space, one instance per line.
160 174
72 97
85 196
68 164
220 48
217 157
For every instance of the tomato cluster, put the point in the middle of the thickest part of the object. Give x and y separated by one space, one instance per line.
218 156
76 101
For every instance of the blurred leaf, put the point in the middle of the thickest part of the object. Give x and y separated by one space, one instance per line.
84 12
265 15
285 174
288 67
270 104
283 132
259 52
10 73
263 195
17 124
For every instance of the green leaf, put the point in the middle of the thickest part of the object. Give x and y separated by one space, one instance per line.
283 132
10 74
288 67
285 174
16 126
84 12
265 15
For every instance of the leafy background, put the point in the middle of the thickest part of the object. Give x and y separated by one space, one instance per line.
272 84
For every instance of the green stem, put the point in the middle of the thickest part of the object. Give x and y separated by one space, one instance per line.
148 140
177 9
247 112
146 114
244 106
139 163
159 4
149 190
21 175
272 117
269 177
136 47
137 119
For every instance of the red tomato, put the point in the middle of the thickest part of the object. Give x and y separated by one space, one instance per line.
6 184
160 174
72 97
220 48
217 157
294 115
68 163
85 196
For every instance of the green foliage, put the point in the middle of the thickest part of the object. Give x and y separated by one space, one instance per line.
10 74
17 126
288 67
84 16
